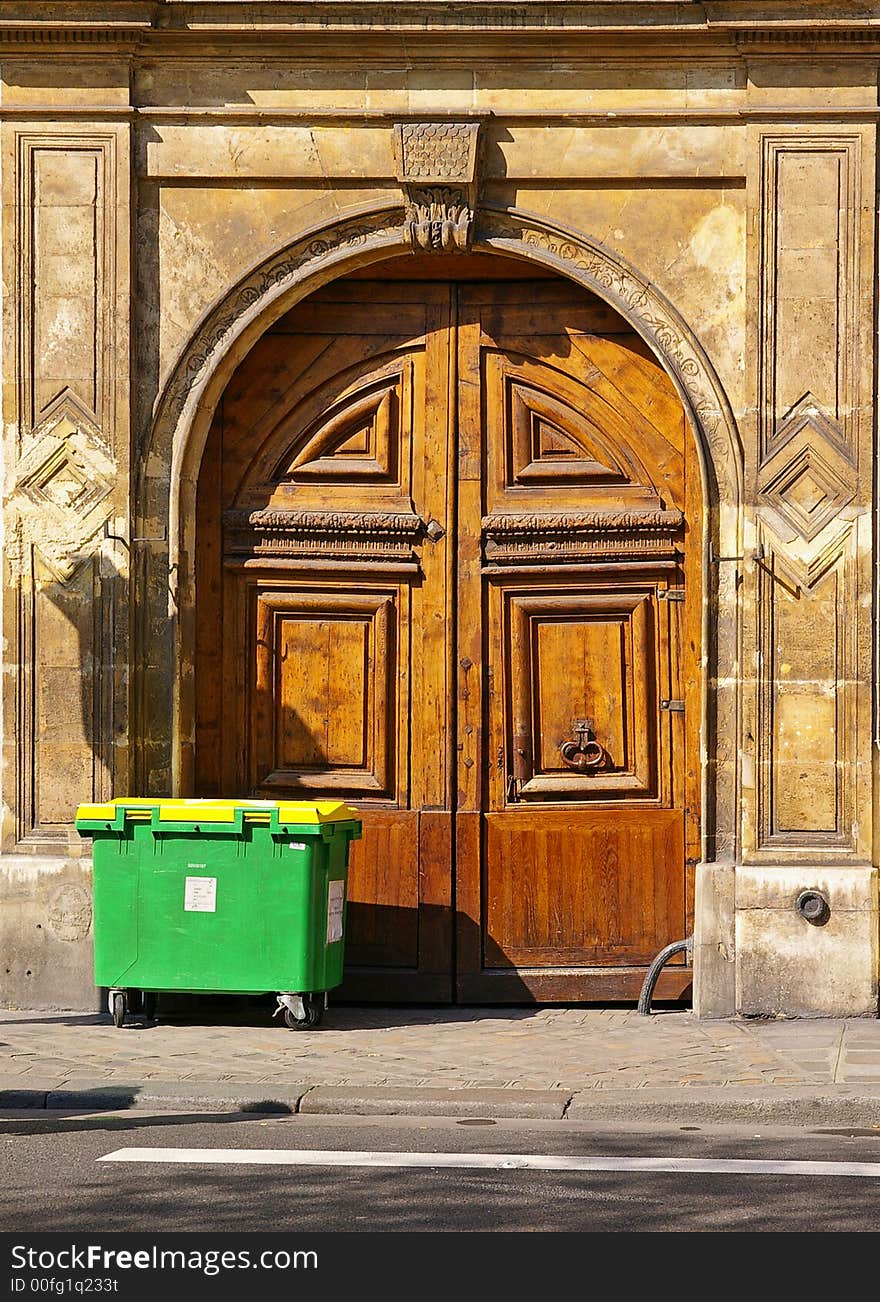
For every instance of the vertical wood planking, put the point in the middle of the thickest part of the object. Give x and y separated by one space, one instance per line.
511 664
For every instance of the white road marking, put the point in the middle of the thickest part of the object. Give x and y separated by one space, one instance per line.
491 1161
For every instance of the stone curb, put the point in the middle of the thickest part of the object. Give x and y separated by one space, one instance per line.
770 1105
414 1102
205 1096
731 1105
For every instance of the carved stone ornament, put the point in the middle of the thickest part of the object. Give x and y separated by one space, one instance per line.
576 536
62 483
810 478
436 164
439 220
330 535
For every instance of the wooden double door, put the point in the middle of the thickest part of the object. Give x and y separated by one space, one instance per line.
447 572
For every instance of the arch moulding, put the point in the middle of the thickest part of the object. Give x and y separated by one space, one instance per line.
168 468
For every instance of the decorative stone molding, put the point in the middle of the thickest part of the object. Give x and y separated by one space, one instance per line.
436 153
574 536
638 301
68 254
799 571
810 199
221 326
436 164
807 702
808 492
807 34
331 535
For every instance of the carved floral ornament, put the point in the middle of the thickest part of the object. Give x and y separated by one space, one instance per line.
579 535
436 163
371 535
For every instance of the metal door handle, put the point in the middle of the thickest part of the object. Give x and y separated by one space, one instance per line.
586 754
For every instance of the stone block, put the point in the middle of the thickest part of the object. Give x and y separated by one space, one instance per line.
788 967
46 933
714 971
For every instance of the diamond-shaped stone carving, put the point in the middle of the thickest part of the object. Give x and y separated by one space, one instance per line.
808 491
65 476
810 477
62 482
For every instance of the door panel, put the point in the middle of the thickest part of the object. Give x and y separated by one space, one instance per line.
324 467
448 543
382 926
580 698
576 862
568 892
560 435
325 711
353 433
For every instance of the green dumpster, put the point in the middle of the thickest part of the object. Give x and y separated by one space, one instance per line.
219 896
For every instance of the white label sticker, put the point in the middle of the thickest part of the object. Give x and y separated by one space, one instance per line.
298 845
335 905
200 895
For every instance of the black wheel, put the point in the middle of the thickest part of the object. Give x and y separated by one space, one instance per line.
313 1006
117 1008
148 1003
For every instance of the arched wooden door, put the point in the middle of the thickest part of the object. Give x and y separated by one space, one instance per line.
448 570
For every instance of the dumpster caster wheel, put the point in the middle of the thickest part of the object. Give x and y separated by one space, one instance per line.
313 1009
117 1007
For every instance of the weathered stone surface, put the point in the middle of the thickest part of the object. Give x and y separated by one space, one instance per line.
713 179
787 965
714 941
46 933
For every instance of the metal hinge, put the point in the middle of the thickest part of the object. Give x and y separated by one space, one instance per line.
671 594
675 707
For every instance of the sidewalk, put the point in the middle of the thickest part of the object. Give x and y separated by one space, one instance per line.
603 1064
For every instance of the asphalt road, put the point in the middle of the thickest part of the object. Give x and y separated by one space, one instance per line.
61 1175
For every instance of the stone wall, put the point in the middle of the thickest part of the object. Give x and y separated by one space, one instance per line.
176 175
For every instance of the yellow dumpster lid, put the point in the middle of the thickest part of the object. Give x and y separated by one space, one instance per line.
183 810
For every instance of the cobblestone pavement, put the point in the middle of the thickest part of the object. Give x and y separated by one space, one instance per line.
583 1056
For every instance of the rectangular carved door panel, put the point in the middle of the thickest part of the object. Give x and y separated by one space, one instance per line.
327 712
580 672
562 891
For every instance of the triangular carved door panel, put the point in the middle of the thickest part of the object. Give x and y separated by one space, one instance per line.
358 438
568 433
549 441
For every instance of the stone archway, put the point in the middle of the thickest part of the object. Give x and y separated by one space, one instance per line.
230 328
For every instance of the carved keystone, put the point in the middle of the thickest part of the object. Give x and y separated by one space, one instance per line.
436 163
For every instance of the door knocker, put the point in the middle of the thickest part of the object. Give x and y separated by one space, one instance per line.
586 755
